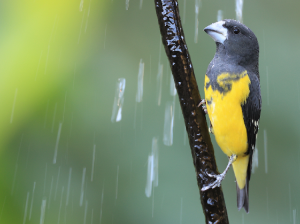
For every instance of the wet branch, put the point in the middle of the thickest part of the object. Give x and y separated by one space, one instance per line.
212 200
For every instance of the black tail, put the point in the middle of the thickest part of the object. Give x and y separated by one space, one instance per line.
243 196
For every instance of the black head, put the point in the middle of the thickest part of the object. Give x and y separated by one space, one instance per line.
235 40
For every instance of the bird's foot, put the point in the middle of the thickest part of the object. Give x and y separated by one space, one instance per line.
203 104
219 177
216 183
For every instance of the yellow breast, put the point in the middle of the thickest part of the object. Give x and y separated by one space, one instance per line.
224 101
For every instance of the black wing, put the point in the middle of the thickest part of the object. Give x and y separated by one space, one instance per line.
251 112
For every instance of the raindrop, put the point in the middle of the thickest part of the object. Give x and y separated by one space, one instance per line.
266 149
294 216
81 5
254 160
43 209
26 206
152 171
141 4
69 185
239 10
197 8
169 123
118 101
173 90
57 141
159 82
93 162
220 15
140 82
101 204
127 4
31 204
82 187
13 108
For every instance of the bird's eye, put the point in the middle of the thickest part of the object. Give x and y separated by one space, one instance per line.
236 30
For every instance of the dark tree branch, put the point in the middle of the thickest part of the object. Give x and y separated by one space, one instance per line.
212 200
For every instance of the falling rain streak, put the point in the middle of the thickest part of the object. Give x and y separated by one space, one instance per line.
82 187
32 198
254 160
127 4
140 82
43 210
173 90
13 107
152 171
57 142
26 208
141 4
118 101
294 216
220 15
159 83
266 149
197 8
101 204
81 5
239 10
169 123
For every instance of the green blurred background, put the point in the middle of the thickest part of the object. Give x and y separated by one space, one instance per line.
62 158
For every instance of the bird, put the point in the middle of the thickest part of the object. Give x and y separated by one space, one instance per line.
233 101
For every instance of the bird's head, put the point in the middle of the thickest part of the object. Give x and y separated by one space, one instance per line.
235 40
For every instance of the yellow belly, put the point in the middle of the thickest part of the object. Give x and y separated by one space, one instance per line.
224 107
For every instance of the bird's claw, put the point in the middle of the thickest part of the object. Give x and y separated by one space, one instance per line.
216 183
203 104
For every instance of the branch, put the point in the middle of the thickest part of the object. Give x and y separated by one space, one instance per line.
212 200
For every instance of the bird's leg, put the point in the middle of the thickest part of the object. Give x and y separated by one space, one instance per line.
203 104
219 177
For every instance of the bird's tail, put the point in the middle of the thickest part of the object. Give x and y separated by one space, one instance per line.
241 171
243 196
